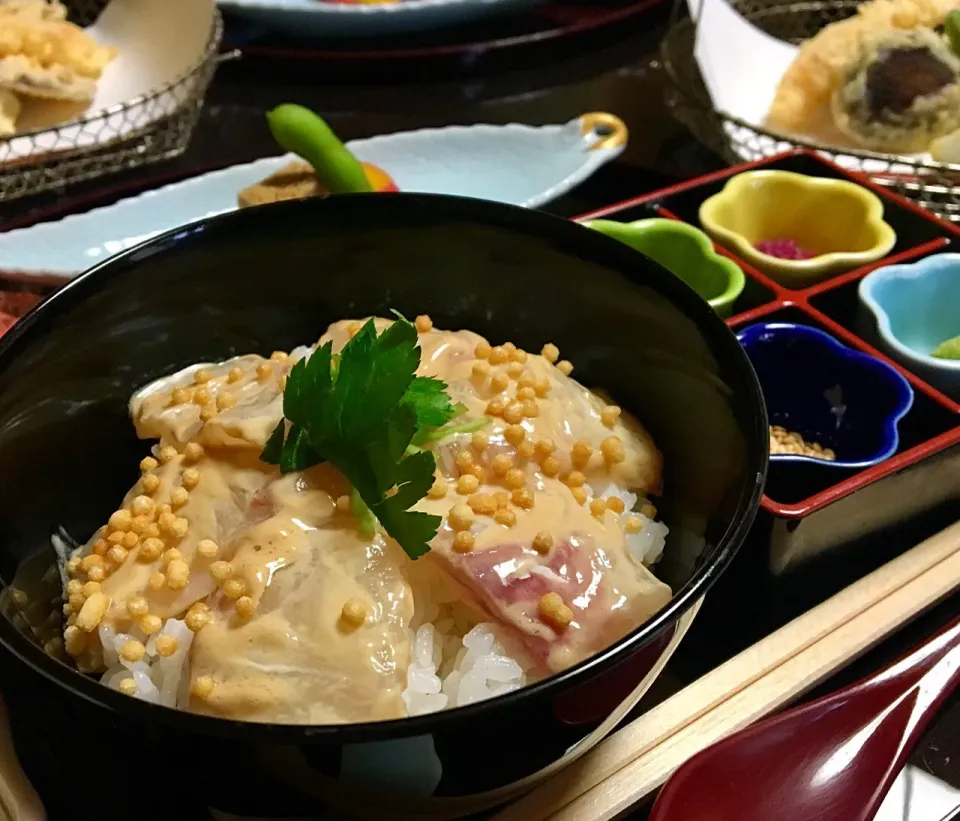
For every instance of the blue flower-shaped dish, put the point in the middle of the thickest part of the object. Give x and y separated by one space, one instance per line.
914 308
828 393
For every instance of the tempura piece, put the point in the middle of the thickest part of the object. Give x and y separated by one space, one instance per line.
45 56
291 182
901 92
9 111
823 61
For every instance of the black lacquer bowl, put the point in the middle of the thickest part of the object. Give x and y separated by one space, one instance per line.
272 278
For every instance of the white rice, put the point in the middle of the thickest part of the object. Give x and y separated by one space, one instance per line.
159 678
647 545
479 669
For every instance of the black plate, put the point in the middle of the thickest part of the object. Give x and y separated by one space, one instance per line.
269 278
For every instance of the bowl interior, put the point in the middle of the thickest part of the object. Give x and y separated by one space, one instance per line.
272 278
824 218
922 302
826 392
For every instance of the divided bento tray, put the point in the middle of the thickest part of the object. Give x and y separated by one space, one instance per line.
810 507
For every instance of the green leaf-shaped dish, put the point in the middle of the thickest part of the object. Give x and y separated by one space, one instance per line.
686 252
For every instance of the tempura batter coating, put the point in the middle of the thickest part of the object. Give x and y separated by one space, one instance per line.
43 55
821 63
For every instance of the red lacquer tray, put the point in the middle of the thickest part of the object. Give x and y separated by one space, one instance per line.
810 508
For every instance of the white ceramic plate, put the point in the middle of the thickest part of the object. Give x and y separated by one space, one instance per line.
323 18
159 43
515 164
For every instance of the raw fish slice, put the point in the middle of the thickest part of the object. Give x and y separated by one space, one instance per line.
232 495
509 581
589 566
297 660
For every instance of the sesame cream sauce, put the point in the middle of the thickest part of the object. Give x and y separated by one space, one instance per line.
297 617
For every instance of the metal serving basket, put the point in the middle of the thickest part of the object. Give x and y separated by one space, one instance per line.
149 128
932 185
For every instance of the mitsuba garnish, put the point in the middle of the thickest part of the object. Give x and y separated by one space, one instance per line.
366 412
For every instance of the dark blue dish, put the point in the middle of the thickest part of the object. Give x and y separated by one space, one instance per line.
828 393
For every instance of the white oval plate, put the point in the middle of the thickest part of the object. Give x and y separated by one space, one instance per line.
516 164
322 18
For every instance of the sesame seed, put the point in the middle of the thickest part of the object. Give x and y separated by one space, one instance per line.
550 466
244 608
502 462
166 646
423 323
483 504
515 478
514 434
234 588
439 488
193 451
495 408
460 517
513 413
463 541
609 415
467 484
612 449
498 356
554 611
633 524
522 497
499 382
203 687
353 613
542 542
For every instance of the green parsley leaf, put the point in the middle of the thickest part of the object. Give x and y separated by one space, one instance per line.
273 450
362 410
430 401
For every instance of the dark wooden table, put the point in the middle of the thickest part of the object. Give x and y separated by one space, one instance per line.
617 72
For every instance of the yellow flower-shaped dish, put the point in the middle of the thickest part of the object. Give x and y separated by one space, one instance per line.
839 222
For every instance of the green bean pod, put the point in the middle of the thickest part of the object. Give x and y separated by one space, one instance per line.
299 130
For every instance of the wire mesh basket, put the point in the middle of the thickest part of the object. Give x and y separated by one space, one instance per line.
932 185
145 129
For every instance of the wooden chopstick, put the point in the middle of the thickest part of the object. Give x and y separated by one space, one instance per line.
633 762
